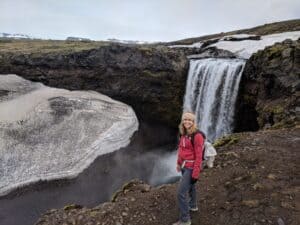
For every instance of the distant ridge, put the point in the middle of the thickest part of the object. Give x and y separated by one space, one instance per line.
270 28
15 36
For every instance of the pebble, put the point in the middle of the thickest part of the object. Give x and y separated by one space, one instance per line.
250 203
271 176
257 186
287 205
280 221
80 217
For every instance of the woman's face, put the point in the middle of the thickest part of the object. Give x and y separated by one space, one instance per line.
187 123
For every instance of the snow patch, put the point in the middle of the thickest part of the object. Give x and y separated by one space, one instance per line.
244 49
48 133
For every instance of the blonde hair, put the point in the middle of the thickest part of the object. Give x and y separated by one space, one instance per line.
193 129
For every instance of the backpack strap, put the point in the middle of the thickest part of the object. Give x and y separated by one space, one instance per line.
204 137
197 132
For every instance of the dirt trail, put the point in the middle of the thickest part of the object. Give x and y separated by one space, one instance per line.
255 181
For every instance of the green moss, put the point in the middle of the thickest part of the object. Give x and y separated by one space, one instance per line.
72 206
128 184
277 109
288 123
274 51
146 51
123 189
226 141
249 99
115 195
148 73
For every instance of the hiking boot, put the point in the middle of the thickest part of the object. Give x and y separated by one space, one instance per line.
194 209
182 223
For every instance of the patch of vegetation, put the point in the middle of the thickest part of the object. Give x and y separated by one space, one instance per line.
115 195
285 124
249 99
274 51
148 73
47 46
226 141
72 206
123 189
146 51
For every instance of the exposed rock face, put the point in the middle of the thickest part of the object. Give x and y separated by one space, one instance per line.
48 133
270 88
150 79
211 52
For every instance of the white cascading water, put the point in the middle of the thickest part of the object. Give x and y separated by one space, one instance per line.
211 93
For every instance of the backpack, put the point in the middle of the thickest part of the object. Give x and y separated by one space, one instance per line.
208 148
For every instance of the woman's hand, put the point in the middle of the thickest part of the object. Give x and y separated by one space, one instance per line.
194 180
178 168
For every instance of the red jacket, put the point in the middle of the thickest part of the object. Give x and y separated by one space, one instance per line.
186 151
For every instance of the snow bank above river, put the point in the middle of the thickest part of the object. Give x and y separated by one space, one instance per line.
48 133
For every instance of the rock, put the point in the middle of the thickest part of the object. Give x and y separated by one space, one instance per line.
124 214
271 177
72 206
287 205
280 221
212 53
258 186
251 203
269 87
145 188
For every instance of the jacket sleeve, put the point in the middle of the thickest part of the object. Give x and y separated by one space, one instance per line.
198 148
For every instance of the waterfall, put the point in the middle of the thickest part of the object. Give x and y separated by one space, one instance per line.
211 92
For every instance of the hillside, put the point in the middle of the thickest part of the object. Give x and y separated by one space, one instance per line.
254 181
271 28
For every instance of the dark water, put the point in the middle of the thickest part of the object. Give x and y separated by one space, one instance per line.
94 185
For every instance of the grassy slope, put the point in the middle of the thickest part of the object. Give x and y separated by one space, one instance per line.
47 46
278 27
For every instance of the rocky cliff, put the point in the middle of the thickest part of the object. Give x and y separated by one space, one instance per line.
269 95
150 79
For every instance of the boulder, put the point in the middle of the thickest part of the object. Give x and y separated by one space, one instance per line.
270 85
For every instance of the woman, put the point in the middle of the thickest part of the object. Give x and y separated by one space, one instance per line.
188 162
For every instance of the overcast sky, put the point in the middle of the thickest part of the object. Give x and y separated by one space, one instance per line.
148 20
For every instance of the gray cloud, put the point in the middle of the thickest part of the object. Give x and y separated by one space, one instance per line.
153 20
